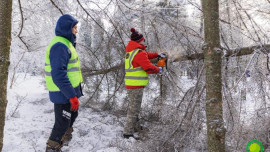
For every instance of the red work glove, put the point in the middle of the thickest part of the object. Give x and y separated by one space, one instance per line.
74 103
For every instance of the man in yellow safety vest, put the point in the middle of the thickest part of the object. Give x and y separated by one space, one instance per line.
137 68
63 80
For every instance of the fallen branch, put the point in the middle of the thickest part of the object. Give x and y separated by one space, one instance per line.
104 71
229 53
178 58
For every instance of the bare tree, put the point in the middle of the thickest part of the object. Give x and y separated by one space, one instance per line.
5 39
214 111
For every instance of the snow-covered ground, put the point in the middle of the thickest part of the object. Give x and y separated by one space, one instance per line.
30 117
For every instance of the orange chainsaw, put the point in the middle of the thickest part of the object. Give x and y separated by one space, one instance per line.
162 60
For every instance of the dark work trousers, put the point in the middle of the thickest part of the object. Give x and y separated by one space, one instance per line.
64 119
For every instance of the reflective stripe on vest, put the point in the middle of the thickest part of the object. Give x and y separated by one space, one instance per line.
73 68
134 76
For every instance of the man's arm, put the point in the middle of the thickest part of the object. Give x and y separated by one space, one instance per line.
142 60
59 57
152 55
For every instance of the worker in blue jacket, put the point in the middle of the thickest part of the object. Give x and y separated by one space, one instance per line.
63 80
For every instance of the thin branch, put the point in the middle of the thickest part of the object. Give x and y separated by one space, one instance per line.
22 25
115 26
94 91
116 89
57 7
105 71
19 36
251 59
91 17
186 113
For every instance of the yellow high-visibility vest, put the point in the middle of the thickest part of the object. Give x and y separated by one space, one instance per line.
134 76
73 68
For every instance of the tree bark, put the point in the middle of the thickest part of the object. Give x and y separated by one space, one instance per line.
212 60
5 40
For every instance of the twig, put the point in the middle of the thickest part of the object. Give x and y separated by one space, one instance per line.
19 99
91 17
19 36
57 7
251 59
181 122
94 91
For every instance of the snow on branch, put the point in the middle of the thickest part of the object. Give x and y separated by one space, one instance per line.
105 71
177 58
229 53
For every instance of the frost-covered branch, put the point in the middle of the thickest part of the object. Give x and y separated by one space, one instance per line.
230 53
88 14
105 71
251 59
22 25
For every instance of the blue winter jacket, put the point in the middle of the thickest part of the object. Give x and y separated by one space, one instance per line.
59 57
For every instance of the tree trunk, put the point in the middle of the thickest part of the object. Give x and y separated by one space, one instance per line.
212 59
5 39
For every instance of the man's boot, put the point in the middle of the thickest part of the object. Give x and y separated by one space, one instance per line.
138 128
67 136
53 146
135 136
